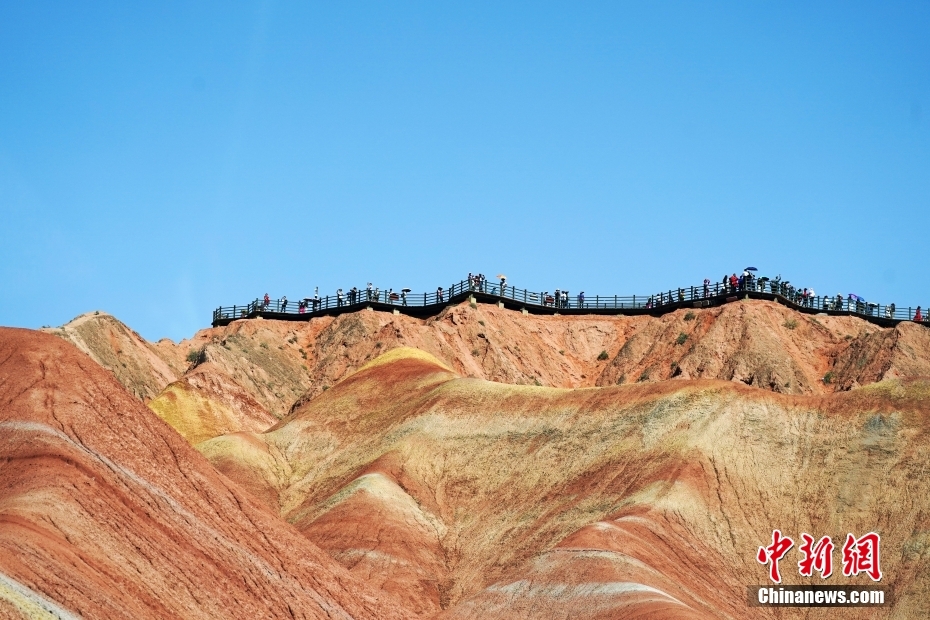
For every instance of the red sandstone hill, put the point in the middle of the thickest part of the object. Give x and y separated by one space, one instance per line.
488 500
106 512
566 467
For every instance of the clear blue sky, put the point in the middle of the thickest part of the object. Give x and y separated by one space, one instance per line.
160 159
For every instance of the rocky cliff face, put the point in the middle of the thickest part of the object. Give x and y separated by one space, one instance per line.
488 464
253 372
106 512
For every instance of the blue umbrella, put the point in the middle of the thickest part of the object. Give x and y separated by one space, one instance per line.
854 296
750 269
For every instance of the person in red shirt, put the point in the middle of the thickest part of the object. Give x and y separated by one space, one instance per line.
918 316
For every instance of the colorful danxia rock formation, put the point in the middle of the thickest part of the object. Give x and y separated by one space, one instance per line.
478 464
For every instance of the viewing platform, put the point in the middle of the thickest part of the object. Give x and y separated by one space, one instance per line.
424 305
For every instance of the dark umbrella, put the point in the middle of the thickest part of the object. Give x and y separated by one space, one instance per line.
750 269
764 279
405 290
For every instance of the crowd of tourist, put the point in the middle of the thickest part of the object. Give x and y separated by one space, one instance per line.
729 285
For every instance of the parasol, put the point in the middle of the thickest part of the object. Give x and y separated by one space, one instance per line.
750 269
501 276
405 290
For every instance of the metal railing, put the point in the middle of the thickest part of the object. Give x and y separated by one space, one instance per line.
657 302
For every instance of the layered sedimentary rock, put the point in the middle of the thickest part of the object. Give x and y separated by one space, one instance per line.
488 464
499 501
106 512
242 376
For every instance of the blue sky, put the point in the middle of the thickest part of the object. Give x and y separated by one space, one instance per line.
160 159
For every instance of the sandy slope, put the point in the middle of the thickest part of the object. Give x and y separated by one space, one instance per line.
143 368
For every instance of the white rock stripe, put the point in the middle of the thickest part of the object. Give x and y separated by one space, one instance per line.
31 604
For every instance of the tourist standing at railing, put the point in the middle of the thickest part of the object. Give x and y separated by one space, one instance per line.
439 297
503 285
581 299
338 297
284 303
706 287
266 302
368 291
918 316
403 296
